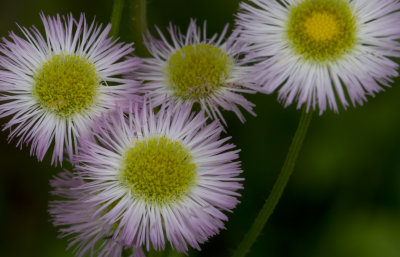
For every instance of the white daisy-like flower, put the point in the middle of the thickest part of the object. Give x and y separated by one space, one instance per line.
318 52
148 179
192 68
53 87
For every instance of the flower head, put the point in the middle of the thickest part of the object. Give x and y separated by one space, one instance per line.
150 178
53 88
316 52
195 69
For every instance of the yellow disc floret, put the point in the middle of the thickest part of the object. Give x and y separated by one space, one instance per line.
321 26
159 170
197 71
321 30
66 84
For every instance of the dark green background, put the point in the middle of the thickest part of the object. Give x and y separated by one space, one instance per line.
342 201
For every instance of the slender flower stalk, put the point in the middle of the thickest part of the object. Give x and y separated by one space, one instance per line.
139 24
320 54
278 188
118 7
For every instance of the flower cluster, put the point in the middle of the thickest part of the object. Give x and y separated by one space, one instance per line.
148 169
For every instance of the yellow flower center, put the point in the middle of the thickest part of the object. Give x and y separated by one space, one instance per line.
321 26
159 170
195 72
321 30
66 84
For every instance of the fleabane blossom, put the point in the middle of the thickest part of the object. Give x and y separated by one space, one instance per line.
53 87
195 69
148 179
322 53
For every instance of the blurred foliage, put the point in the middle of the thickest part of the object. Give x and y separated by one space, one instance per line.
343 199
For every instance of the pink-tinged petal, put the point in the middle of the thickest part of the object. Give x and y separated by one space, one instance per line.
33 124
98 202
363 71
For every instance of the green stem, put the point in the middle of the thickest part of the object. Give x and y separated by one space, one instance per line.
118 7
278 187
126 252
139 25
174 253
154 253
